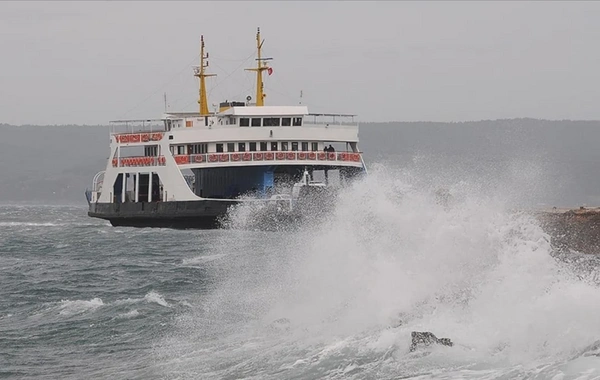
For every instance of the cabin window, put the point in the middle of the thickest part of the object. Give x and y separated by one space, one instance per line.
241 147
274 145
150 151
180 149
263 146
256 121
244 122
172 149
284 145
297 121
219 148
286 121
304 146
231 147
271 122
295 145
314 146
232 121
252 147
197 149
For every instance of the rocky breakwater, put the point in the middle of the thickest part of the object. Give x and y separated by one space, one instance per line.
572 229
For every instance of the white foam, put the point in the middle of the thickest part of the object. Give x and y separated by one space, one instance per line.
202 259
31 224
130 314
390 255
68 307
154 297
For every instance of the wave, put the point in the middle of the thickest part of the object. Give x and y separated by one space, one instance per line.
32 224
79 306
394 257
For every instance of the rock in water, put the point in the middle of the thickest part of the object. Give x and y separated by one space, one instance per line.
426 338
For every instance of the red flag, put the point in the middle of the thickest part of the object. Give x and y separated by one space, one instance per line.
269 70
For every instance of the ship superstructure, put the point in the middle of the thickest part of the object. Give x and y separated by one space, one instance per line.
186 169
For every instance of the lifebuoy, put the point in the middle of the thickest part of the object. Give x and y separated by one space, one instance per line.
355 157
123 138
322 156
213 158
269 156
247 157
280 156
302 156
312 156
114 162
134 138
258 156
344 156
291 156
235 157
199 158
224 157
331 156
145 137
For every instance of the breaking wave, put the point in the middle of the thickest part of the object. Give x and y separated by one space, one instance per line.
340 296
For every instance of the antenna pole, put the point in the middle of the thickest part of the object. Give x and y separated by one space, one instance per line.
260 67
199 72
165 96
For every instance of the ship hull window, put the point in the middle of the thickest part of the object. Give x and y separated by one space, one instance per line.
263 146
286 121
256 121
244 122
274 145
295 145
219 148
305 146
284 145
241 147
252 147
297 122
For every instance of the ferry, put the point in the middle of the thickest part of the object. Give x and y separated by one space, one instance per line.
188 169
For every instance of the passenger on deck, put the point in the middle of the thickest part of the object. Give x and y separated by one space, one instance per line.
330 148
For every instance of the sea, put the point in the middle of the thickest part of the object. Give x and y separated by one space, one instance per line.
334 298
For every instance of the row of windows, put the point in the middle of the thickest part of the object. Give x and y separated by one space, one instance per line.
191 149
270 122
273 145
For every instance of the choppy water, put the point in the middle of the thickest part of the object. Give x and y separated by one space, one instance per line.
337 299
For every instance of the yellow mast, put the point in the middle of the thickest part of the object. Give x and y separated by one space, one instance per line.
260 67
199 72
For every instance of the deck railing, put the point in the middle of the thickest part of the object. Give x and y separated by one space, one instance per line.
269 156
125 138
139 161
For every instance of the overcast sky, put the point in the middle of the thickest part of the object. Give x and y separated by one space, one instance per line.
91 62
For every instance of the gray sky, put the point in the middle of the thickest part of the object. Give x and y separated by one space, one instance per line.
90 62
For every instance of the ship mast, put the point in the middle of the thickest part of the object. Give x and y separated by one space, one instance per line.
199 72
260 67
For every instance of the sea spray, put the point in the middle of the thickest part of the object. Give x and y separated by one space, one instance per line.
341 294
